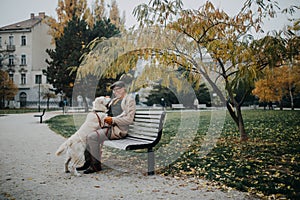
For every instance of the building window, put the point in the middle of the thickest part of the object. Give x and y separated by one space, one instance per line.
23 79
11 40
11 60
23 59
38 79
23 40
11 77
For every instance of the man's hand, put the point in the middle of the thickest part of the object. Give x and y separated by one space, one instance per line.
108 120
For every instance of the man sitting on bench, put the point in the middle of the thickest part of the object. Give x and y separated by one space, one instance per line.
122 110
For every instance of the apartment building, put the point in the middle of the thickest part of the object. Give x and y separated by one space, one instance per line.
23 49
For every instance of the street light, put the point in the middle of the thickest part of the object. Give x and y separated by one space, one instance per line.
39 81
39 95
163 103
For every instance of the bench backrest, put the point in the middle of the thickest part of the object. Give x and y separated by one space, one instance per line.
147 126
177 106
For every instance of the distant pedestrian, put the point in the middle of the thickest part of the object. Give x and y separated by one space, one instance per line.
196 103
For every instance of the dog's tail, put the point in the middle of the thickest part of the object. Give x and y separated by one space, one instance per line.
61 149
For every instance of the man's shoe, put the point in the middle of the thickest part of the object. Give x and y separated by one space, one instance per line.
95 166
84 166
87 163
92 169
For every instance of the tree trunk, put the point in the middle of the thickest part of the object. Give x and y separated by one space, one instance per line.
232 113
48 100
281 105
292 99
238 119
241 126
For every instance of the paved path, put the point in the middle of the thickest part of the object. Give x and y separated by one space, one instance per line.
30 170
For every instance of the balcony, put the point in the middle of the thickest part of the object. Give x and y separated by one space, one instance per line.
11 68
11 47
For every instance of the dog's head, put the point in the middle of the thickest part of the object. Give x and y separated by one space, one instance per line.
100 104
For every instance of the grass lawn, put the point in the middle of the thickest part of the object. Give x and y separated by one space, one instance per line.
268 164
20 110
17 111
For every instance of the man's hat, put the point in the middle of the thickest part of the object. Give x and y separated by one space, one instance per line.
120 84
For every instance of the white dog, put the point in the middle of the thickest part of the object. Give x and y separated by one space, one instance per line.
75 145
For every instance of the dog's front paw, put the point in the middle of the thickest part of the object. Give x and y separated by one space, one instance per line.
76 173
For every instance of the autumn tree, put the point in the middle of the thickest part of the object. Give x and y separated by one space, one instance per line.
68 9
7 87
209 30
224 38
278 83
281 78
114 14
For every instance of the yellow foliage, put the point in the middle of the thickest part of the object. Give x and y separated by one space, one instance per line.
277 83
7 87
67 9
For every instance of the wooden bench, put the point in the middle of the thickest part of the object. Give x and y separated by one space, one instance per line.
177 106
144 133
201 106
74 109
41 115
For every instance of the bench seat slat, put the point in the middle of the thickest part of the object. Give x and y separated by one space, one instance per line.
142 137
148 116
125 143
147 120
144 129
144 134
144 124
138 132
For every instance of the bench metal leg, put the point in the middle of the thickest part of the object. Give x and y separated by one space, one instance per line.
151 161
41 119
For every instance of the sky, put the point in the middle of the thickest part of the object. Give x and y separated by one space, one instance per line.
13 11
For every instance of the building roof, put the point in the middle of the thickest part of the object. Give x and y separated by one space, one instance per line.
26 24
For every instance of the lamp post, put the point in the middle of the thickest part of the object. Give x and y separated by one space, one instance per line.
163 103
39 96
